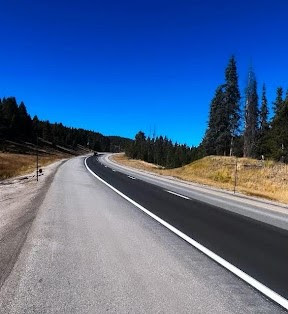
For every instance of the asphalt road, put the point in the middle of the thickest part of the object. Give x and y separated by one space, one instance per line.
91 251
266 211
256 248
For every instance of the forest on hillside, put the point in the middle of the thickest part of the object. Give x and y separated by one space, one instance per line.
16 124
232 130
161 151
250 130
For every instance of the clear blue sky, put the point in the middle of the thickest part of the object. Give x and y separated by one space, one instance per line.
120 66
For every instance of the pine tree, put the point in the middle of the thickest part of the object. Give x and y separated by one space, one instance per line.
139 150
278 103
286 96
25 122
251 116
279 133
263 135
10 116
232 102
217 134
263 112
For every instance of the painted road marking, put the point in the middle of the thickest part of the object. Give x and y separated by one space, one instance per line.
186 198
236 271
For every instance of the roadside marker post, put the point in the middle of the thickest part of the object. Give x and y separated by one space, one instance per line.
235 176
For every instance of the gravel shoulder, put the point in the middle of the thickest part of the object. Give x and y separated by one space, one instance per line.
20 199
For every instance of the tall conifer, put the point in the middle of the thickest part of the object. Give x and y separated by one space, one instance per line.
232 102
217 123
263 111
251 116
278 103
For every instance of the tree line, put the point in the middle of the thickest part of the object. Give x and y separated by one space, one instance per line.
17 124
161 151
247 131
231 131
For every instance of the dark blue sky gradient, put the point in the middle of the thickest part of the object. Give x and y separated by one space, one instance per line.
120 66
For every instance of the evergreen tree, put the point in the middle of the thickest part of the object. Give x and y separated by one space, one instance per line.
10 117
161 151
278 135
224 117
278 103
25 122
217 122
232 102
263 135
251 116
263 112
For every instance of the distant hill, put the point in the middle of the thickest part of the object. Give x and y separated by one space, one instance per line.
19 133
118 143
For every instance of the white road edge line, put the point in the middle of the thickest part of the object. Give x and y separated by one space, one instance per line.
236 271
186 198
131 177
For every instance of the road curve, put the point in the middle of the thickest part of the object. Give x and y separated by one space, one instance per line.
91 251
256 248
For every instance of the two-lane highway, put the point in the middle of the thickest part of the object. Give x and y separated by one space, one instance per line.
258 249
90 250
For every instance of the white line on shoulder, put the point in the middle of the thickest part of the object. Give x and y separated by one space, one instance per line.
186 198
236 271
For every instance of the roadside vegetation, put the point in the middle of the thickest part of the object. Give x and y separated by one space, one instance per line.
21 137
267 179
17 125
12 165
240 127
250 130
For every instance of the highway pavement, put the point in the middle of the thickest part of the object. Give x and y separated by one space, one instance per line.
258 249
89 250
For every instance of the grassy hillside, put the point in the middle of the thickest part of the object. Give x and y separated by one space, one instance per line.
12 165
19 157
266 179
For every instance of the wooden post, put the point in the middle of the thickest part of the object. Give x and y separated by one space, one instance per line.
235 176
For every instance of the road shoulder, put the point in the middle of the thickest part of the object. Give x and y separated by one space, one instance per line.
20 199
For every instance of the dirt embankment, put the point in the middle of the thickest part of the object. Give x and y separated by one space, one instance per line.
265 179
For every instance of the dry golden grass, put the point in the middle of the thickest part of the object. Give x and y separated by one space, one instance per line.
12 165
135 163
264 179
